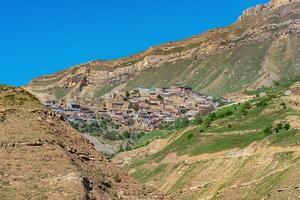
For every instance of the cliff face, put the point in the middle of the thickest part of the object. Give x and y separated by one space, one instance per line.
44 158
262 46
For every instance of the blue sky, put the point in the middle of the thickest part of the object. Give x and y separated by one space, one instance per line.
43 36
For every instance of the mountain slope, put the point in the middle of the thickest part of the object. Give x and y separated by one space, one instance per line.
44 158
243 151
262 46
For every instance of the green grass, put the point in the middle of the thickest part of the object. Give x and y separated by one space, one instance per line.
244 70
102 90
161 133
192 170
244 124
276 87
61 92
146 175
149 137
283 138
201 143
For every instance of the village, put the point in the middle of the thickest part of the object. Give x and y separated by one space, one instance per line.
141 109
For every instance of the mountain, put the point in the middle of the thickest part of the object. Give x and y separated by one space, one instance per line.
42 157
262 46
247 150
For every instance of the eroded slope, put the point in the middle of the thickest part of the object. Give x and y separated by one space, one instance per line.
42 157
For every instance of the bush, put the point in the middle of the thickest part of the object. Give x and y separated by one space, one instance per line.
229 112
268 130
263 102
198 119
287 126
278 127
126 134
181 123
283 105
189 136
207 122
247 105
141 134
212 116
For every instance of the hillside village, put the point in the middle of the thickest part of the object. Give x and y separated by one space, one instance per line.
141 109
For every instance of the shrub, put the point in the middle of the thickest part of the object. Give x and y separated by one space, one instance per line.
141 134
207 122
263 102
268 130
283 105
278 127
181 123
126 134
287 126
247 105
212 116
189 136
198 119
229 112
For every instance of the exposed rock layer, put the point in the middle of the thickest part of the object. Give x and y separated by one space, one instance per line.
42 157
242 56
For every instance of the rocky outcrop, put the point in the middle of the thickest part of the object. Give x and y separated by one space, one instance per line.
277 3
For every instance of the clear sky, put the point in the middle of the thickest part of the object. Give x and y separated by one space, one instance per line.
43 36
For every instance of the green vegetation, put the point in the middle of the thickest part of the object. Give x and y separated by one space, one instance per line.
164 131
276 88
147 174
149 137
187 176
60 92
101 90
244 71
229 127
100 128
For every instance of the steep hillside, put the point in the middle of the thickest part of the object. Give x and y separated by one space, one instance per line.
44 158
262 46
248 150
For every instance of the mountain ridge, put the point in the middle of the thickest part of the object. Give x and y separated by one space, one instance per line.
199 58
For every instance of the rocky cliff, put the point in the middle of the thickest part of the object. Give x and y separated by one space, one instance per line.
44 158
262 46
